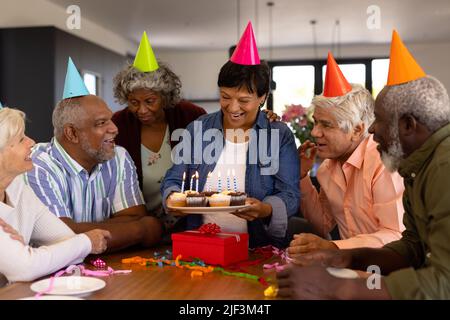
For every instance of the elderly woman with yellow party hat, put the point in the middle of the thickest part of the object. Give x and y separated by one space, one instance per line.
33 241
151 93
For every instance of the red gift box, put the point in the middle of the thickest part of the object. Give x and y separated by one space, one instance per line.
220 249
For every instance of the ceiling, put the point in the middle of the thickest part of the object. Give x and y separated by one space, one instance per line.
213 24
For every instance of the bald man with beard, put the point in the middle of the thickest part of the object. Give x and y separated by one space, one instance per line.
89 182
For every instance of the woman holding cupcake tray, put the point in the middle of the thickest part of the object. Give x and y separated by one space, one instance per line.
244 157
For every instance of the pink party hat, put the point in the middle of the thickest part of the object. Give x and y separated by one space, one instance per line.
246 52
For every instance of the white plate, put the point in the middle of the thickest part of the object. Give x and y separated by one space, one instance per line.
343 273
53 297
72 285
203 210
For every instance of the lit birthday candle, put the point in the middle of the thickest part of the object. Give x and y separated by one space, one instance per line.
192 180
228 180
182 184
208 182
196 182
234 180
219 182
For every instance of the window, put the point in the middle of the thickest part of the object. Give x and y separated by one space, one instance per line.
380 69
92 82
354 73
298 81
295 85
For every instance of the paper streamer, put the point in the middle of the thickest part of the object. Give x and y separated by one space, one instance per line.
83 271
197 265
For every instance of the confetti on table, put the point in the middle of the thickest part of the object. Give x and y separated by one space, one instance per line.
99 263
271 292
276 266
199 268
196 273
197 265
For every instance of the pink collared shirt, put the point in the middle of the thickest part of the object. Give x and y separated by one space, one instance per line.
362 197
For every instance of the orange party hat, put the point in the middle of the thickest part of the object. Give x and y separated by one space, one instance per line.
335 83
402 66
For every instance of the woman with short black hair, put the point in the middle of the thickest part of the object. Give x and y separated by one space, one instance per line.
261 155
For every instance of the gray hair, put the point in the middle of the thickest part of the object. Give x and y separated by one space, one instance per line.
350 109
426 99
67 111
12 124
162 80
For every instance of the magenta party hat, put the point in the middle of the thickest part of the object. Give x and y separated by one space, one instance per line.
246 52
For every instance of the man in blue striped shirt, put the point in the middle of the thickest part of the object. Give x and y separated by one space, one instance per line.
86 180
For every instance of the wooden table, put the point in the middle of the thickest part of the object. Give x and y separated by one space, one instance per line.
167 283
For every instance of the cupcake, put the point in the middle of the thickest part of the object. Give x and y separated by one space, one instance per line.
219 200
238 198
195 199
208 193
177 199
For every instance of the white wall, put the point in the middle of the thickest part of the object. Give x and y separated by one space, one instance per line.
198 70
33 13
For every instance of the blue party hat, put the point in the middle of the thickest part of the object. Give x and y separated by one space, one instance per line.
74 85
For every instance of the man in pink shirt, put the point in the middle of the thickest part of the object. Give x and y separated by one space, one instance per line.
357 192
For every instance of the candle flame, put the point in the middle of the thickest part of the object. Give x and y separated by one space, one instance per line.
184 176
196 174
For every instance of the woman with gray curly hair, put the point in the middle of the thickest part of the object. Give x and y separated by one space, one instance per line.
153 111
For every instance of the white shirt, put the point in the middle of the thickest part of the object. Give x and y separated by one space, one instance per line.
154 168
56 245
233 157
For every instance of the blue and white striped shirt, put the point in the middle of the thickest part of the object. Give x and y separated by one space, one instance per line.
69 191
